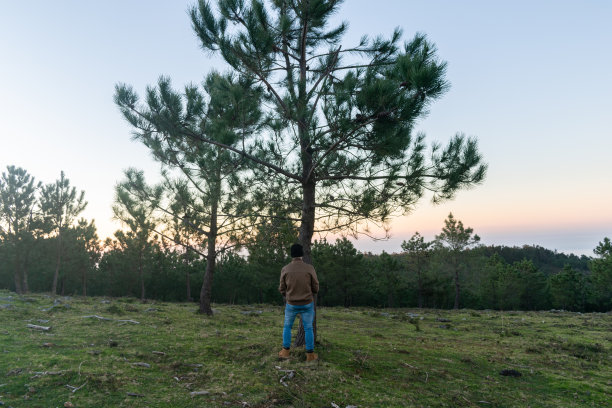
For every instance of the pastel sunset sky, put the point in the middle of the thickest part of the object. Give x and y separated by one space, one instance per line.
531 80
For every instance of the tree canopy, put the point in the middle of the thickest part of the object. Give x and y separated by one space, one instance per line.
337 143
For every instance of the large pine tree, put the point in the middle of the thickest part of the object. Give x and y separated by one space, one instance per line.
339 147
340 120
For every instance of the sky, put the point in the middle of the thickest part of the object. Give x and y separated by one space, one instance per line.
530 80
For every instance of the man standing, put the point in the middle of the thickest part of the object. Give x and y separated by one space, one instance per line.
298 285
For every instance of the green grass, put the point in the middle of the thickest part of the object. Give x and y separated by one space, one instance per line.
368 357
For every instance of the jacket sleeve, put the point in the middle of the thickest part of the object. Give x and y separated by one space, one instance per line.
314 282
282 287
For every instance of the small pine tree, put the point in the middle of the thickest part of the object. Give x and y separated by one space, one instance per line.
456 239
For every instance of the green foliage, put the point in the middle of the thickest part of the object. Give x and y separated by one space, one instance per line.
547 261
237 282
268 251
19 221
203 199
604 249
417 252
456 238
568 289
81 253
534 286
133 209
341 272
60 203
601 276
60 206
335 140
17 201
389 278
136 212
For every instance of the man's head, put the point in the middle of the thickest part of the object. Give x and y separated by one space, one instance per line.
297 251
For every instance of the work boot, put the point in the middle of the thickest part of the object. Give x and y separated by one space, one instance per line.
311 356
284 354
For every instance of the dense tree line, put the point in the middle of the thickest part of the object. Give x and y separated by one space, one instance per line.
420 274
348 277
37 220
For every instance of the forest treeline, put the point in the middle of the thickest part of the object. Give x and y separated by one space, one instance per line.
41 250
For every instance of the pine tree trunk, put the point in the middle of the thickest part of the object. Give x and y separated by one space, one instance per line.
187 275
211 258
206 291
456 285
25 287
18 275
420 294
189 298
306 232
58 262
18 287
141 275
84 278
17 271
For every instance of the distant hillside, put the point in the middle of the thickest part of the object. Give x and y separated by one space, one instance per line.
547 261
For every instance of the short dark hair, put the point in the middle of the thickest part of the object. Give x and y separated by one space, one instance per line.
297 251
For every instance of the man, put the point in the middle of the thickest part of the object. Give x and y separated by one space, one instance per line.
298 285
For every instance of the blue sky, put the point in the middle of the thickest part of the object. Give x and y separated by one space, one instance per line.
531 80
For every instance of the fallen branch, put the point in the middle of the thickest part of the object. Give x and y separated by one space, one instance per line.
522 366
38 374
129 321
290 374
75 389
96 317
35 327
195 393
109 319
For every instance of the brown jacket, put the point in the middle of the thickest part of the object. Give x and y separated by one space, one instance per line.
298 282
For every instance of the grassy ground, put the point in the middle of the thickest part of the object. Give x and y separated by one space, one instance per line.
174 357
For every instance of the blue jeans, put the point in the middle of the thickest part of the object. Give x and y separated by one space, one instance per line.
307 312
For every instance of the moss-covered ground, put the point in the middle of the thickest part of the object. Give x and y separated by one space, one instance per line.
159 354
